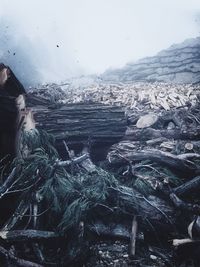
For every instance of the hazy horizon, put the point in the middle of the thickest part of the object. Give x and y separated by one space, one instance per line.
47 41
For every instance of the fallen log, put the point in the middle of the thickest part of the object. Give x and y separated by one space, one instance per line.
179 242
77 123
153 211
77 160
134 134
81 121
154 214
181 205
177 163
113 230
27 235
186 250
133 237
17 261
188 188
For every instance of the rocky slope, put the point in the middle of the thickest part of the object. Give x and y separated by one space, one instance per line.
179 63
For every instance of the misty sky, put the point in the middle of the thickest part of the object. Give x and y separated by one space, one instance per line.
60 38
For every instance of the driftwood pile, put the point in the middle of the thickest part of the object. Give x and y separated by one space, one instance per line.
142 190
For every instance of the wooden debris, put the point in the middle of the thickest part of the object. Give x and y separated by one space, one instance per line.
178 163
179 242
148 120
27 235
188 188
189 146
149 155
133 237
158 95
5 187
17 261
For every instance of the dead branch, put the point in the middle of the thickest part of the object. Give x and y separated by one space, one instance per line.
188 187
73 161
8 183
181 205
17 261
133 236
179 242
17 216
27 235
174 162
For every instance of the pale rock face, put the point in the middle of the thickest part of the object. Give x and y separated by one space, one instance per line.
179 63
